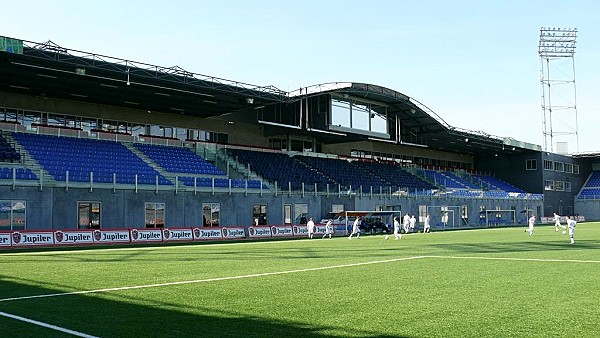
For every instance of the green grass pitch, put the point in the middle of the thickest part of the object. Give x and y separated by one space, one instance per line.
474 283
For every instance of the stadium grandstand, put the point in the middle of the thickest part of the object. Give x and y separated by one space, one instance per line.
93 141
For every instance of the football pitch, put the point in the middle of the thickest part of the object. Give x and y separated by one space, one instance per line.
472 283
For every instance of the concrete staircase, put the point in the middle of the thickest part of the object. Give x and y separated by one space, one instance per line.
150 162
27 161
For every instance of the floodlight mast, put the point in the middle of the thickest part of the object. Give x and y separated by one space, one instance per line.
556 46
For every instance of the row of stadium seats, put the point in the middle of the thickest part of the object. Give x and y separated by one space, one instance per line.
81 157
78 159
219 182
395 176
343 173
280 168
591 189
110 161
494 183
178 159
6 173
444 179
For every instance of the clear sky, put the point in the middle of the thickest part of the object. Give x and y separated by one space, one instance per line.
474 63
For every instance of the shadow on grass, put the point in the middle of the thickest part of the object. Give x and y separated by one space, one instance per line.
143 317
526 246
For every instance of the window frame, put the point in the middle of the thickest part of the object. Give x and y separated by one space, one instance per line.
531 164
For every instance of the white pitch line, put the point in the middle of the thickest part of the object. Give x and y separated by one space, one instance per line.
216 279
517 259
46 325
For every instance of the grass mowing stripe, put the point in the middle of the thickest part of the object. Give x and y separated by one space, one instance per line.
517 259
209 279
46 325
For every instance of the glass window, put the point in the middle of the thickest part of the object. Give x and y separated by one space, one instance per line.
568 186
569 168
422 213
88 215
531 165
12 215
340 113
211 214
548 185
259 214
463 211
300 213
559 166
296 145
337 207
287 214
155 215
559 185
575 169
548 165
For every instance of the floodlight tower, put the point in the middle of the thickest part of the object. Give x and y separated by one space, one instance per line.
559 96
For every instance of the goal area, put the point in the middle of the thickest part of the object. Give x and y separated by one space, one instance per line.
386 217
446 216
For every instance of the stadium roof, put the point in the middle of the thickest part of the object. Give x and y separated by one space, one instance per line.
428 128
48 70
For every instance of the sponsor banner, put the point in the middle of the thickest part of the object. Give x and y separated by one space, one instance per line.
174 235
319 229
233 233
73 237
112 236
259 232
32 238
282 231
208 233
563 219
146 235
300 230
5 239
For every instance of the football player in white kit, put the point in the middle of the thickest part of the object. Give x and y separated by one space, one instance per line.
355 228
571 224
426 225
397 234
557 222
406 223
531 223
328 228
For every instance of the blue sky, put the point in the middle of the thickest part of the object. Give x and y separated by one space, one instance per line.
474 63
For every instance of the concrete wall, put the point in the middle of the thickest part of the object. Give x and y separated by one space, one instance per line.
56 208
590 209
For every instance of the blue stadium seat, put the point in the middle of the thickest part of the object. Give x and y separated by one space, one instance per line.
80 157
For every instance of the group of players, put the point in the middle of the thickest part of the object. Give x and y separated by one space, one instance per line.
408 225
409 222
571 224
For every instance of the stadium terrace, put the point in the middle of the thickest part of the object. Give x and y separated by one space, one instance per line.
93 142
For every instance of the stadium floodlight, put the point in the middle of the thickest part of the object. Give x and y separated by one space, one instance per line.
556 46
249 100
557 42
